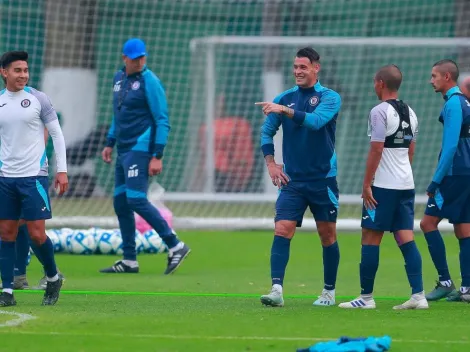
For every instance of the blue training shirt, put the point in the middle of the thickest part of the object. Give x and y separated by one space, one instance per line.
309 137
454 158
140 121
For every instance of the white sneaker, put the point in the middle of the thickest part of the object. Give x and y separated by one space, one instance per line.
359 303
326 299
417 301
273 299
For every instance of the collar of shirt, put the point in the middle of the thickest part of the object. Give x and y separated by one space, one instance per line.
451 91
135 73
317 87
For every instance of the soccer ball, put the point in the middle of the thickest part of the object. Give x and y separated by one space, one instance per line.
65 236
105 240
139 242
54 237
155 243
82 242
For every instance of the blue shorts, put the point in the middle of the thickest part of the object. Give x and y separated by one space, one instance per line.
132 174
320 196
452 200
394 210
25 198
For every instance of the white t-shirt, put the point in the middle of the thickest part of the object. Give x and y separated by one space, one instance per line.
23 116
394 171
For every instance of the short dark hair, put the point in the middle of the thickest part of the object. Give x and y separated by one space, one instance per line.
12 56
309 53
448 66
391 76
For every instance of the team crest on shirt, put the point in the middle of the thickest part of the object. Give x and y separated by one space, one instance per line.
135 85
313 101
25 103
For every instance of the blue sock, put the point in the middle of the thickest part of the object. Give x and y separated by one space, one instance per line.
465 261
330 265
22 250
368 267
7 263
437 249
151 214
413 266
46 253
126 221
279 258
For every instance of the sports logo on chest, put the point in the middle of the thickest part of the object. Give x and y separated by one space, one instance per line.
25 103
313 101
135 85
117 86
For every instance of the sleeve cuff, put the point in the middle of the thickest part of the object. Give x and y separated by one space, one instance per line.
267 149
299 117
110 142
432 188
158 153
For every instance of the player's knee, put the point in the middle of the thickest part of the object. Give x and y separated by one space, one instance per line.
428 224
120 205
37 234
285 229
137 204
327 233
8 231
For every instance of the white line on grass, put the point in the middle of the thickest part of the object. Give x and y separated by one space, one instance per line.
21 318
202 337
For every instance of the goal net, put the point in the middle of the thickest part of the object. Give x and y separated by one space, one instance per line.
216 58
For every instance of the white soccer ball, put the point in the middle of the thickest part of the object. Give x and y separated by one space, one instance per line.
65 236
82 242
139 242
155 243
104 241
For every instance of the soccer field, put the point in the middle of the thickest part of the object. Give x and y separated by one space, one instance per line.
212 302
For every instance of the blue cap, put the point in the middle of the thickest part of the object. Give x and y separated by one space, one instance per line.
134 48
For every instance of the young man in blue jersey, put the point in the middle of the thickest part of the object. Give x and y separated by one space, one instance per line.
25 113
449 190
388 191
139 130
307 114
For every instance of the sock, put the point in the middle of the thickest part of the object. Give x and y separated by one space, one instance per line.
46 254
413 266
176 248
280 251
151 214
22 250
131 263
330 265
464 244
8 290
437 249
7 263
126 221
53 278
368 268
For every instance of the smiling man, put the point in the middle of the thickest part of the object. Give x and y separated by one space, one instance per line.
307 114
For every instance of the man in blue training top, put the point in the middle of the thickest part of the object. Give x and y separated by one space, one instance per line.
308 114
140 131
449 191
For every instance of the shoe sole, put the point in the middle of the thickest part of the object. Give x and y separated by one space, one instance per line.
181 261
323 305
8 305
366 307
118 272
268 302
415 308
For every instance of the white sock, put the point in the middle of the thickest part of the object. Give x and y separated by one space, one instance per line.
367 297
277 287
179 246
8 290
52 279
131 263
446 283
331 292
464 289
418 296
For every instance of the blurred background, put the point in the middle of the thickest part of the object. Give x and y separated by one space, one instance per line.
215 59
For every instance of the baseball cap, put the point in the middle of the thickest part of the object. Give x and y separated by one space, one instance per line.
134 48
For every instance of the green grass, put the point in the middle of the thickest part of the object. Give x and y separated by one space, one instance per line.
212 302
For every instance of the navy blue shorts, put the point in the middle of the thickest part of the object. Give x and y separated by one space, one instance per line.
132 174
25 198
394 210
320 196
452 200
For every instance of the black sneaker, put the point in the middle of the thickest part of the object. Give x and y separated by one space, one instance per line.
51 296
120 268
7 300
42 284
176 258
